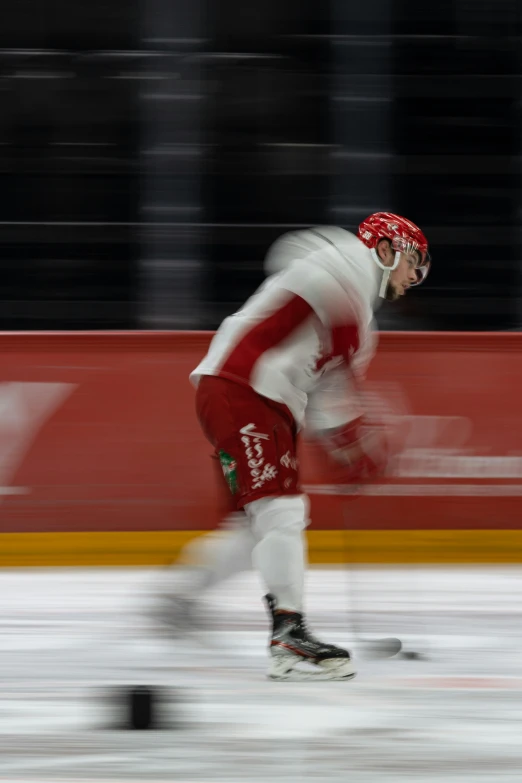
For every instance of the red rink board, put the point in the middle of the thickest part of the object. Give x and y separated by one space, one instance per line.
98 432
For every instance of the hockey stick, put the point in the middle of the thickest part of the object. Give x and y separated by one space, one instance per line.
386 647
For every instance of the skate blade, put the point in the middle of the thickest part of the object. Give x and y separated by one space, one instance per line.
300 671
296 675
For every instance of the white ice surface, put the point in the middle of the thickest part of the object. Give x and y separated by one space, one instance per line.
70 638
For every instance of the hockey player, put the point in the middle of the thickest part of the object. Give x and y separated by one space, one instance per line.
292 358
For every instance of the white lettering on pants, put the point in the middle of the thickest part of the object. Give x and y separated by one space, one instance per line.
260 471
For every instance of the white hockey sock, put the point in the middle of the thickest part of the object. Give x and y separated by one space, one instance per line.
213 558
280 556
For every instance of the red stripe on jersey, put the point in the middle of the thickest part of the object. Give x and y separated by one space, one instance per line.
265 335
345 341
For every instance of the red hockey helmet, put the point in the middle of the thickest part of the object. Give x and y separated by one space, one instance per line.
404 236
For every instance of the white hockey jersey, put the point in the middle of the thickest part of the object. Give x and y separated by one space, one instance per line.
307 331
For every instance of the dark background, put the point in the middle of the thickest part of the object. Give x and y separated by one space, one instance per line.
151 151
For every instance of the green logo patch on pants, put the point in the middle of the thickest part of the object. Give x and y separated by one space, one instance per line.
229 466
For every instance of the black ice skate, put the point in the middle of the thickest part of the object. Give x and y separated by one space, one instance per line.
292 645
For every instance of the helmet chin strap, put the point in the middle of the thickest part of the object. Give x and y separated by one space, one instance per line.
384 283
386 270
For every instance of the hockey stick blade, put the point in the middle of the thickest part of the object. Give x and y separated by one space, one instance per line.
381 648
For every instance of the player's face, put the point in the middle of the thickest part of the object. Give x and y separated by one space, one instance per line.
402 277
